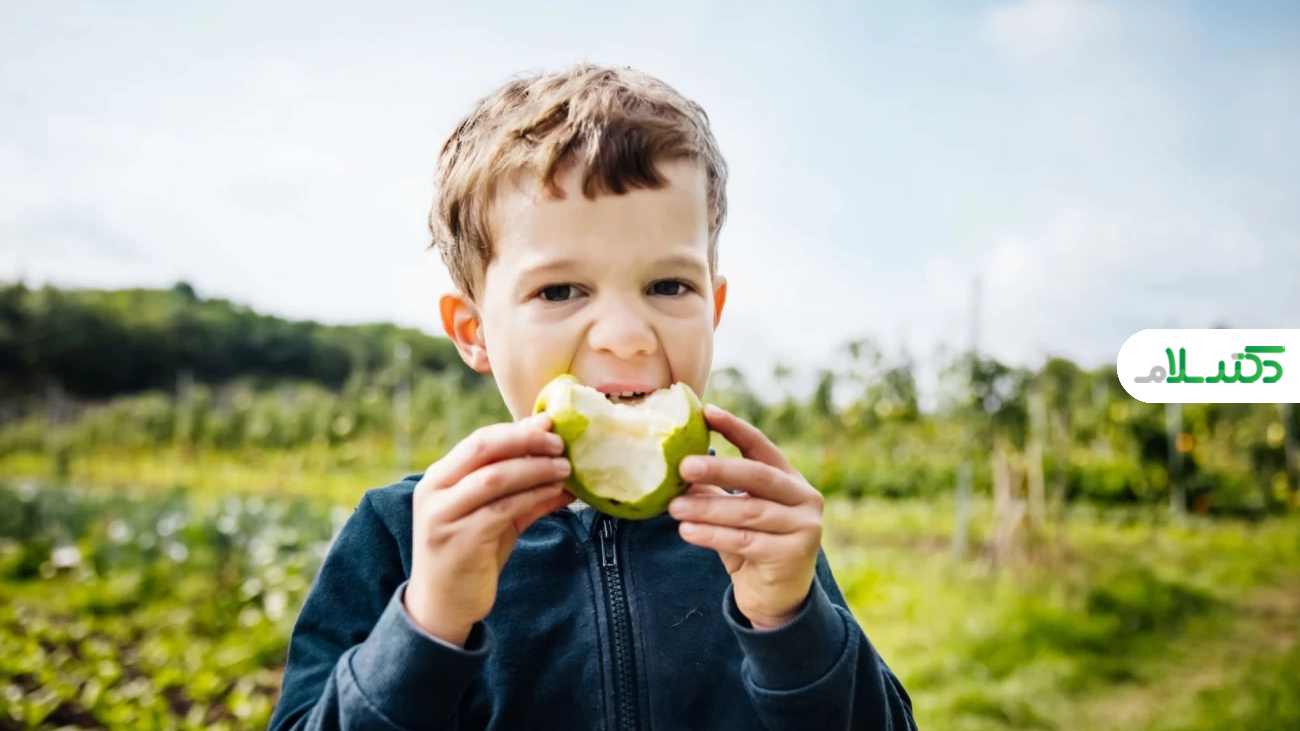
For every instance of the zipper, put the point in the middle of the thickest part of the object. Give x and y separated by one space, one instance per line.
625 694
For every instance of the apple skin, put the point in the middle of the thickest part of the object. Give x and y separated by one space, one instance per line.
692 438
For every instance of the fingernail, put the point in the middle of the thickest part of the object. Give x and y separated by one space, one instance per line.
692 468
554 444
561 466
680 506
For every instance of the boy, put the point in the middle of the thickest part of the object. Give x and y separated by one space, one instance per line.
579 215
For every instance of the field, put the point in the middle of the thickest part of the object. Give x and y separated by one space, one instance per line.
149 609
173 469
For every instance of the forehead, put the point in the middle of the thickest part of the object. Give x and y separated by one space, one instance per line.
528 225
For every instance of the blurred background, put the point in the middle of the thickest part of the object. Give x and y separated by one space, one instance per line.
218 327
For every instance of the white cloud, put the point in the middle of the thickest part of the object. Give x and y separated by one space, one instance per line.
1084 283
1029 30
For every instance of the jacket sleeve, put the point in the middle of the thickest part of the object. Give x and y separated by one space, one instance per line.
356 660
819 670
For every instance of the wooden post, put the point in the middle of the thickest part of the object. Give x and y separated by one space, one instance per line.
1008 509
1038 438
1061 475
965 470
1101 403
960 531
1174 427
1291 443
1001 501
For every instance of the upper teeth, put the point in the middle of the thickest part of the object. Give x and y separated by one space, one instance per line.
624 394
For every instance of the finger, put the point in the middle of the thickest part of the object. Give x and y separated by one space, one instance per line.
544 506
756 478
746 542
700 488
512 508
493 443
738 512
746 437
498 480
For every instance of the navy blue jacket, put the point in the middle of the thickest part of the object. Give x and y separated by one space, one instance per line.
598 624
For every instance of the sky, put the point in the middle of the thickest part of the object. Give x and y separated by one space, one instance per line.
1101 168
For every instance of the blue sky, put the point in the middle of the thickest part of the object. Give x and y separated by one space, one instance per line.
1102 167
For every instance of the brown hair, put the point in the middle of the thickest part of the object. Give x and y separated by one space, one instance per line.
613 122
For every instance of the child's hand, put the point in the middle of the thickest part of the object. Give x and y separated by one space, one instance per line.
468 509
769 537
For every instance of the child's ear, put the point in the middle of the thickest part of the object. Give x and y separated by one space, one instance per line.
719 298
461 322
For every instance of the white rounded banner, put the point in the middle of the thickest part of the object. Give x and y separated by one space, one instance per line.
1211 366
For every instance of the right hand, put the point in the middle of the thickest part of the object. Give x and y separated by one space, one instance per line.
468 509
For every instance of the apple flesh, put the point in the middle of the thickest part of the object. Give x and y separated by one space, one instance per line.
625 454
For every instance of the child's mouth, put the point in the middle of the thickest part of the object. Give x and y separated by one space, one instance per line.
626 397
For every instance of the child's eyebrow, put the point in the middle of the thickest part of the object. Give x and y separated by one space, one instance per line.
550 266
530 275
694 263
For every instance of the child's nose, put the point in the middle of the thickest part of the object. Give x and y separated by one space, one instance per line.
622 332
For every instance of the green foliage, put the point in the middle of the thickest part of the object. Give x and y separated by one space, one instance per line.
170 607
125 610
1114 453
1100 637
289 416
149 614
98 343
263 385
1264 700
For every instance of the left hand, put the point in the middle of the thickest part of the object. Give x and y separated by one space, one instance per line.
769 537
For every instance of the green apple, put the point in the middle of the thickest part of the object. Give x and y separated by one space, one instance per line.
625 456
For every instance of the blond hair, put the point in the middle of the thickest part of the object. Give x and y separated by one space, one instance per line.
614 123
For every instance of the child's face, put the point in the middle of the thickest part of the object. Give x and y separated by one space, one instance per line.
615 290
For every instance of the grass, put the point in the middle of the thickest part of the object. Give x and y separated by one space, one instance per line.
1097 633
318 474
175 607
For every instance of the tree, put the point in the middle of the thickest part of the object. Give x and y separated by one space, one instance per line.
101 343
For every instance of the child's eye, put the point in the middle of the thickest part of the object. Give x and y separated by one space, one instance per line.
558 292
669 287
